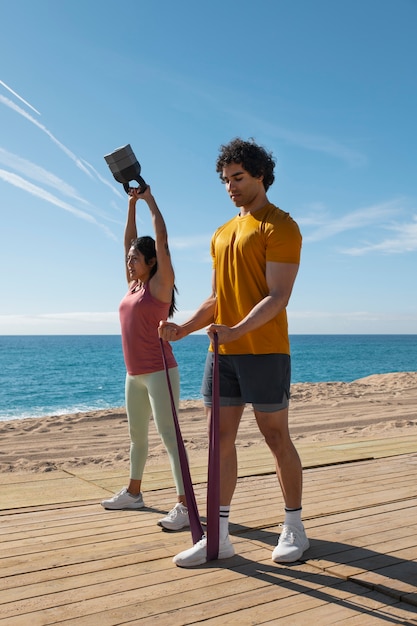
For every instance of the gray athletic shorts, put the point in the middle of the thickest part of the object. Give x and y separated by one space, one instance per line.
262 380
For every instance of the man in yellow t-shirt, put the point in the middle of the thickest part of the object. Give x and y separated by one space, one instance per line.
255 256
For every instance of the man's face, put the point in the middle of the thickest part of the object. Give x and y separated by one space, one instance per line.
241 186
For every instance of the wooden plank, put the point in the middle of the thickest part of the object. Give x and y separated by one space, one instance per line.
67 489
364 610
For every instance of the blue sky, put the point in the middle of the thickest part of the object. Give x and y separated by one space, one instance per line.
330 87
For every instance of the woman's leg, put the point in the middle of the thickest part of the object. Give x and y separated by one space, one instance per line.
160 401
138 411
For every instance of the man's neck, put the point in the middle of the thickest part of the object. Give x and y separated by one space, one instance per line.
251 208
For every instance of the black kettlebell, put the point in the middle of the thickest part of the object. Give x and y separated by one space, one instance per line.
125 167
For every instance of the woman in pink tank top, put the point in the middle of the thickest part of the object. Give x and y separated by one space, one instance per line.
149 299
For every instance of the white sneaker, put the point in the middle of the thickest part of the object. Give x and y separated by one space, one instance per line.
197 555
292 543
123 500
176 519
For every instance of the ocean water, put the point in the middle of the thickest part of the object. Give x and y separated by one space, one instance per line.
53 375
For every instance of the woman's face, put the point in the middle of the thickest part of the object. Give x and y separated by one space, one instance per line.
137 267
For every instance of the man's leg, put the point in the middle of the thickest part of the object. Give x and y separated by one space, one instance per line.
274 427
229 419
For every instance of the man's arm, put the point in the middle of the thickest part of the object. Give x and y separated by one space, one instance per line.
280 278
201 318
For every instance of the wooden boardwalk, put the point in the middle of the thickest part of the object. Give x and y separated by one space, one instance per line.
64 560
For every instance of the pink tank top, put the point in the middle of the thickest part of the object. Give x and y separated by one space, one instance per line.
140 314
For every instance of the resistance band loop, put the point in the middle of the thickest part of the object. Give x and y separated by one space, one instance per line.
213 486
194 517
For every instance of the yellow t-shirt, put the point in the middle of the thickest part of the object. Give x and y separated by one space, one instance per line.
240 250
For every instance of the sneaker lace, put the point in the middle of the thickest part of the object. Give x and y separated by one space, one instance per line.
202 542
173 513
122 491
287 535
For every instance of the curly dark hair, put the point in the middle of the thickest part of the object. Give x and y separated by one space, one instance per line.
254 158
146 245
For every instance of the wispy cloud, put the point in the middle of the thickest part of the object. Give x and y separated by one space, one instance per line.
404 240
19 97
60 145
326 227
309 141
21 183
320 143
91 323
351 322
39 174
45 177
314 214
103 180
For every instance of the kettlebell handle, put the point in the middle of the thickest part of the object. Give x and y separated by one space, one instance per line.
142 185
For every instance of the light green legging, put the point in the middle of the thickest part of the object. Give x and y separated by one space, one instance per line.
146 395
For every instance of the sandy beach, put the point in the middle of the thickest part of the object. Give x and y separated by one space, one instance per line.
381 405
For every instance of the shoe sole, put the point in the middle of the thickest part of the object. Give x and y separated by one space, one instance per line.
227 555
171 530
123 508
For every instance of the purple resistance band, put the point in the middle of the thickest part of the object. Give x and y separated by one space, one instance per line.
194 517
213 485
